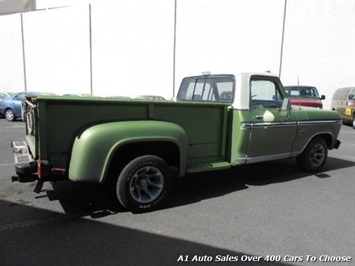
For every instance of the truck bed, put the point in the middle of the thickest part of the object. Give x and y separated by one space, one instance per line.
205 124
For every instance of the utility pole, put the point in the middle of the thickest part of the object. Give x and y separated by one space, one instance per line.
23 54
90 50
282 38
174 48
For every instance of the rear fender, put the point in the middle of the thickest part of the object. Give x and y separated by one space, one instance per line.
95 147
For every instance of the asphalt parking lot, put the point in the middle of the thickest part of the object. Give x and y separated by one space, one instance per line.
262 214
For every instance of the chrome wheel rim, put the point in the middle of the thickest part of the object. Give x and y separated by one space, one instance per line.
318 154
9 115
146 184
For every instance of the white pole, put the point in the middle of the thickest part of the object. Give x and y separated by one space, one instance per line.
174 51
282 38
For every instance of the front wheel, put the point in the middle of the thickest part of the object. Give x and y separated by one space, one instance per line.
354 121
313 158
143 183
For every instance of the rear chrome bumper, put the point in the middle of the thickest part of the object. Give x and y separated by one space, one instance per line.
28 169
25 165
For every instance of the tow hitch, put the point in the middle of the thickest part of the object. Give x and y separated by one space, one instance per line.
32 178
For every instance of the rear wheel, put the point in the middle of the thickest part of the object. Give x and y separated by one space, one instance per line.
353 121
314 157
143 183
10 115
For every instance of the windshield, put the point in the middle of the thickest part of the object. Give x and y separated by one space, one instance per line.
302 92
211 89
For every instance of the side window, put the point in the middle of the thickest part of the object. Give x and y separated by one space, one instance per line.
352 95
265 94
20 97
345 94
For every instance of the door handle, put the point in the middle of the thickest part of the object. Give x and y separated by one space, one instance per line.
259 116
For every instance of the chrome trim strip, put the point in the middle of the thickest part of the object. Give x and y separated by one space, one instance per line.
240 161
247 160
269 124
295 153
285 124
319 122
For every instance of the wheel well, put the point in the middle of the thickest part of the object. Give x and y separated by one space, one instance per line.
9 108
327 137
168 151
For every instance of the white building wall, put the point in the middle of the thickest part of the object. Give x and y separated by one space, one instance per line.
57 50
228 36
132 44
11 59
132 47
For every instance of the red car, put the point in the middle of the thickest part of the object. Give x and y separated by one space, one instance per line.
305 96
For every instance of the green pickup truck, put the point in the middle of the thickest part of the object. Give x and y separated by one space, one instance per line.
139 146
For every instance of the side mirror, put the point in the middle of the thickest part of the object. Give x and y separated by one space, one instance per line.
286 107
322 97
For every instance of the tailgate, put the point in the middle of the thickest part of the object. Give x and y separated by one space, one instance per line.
31 119
25 151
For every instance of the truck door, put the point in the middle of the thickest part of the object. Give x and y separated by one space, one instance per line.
271 134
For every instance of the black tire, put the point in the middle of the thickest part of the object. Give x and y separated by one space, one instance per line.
10 115
143 183
314 157
353 122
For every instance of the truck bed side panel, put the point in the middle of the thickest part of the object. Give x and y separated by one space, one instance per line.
204 123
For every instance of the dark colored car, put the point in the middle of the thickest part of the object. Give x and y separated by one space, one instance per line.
305 96
11 107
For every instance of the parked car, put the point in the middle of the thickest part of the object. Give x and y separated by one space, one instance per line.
117 97
305 96
78 95
150 97
4 95
11 107
343 102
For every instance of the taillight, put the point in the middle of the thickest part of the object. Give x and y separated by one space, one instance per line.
39 168
42 168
